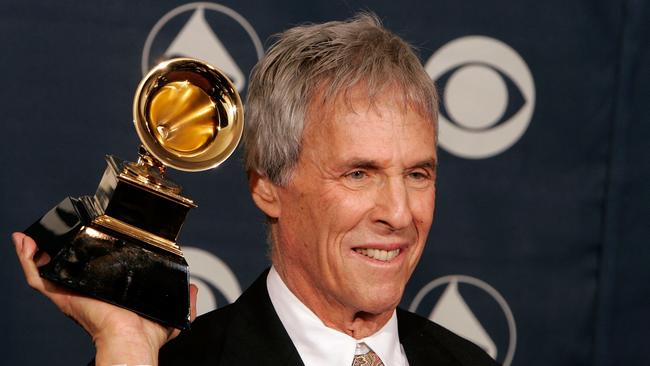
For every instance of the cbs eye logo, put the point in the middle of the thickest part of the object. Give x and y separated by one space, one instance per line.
488 96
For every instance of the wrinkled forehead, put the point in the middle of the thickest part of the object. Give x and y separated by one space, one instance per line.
326 101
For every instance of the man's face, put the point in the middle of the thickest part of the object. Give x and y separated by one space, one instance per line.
356 212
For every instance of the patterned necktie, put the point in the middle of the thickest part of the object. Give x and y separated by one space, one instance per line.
367 359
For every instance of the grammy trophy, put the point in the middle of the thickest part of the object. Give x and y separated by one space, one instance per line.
119 245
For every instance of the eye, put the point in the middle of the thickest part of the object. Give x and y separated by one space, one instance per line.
418 175
357 179
357 175
419 178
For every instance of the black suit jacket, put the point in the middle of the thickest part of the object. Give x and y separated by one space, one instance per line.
249 332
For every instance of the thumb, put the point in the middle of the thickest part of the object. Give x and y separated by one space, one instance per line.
173 332
194 292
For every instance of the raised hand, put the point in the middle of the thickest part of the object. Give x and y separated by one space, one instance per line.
120 336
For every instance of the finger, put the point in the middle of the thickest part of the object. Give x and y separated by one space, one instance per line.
194 292
17 238
41 258
25 250
28 250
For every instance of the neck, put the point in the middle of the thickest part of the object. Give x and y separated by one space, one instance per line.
356 323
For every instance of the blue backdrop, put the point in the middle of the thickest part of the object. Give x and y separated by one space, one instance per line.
539 248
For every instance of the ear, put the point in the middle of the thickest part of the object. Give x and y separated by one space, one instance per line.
265 195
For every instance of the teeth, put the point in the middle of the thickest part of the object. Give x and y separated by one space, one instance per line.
378 254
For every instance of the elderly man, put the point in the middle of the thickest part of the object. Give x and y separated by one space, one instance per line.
341 158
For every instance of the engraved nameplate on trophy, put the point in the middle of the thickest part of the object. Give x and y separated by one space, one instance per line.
120 244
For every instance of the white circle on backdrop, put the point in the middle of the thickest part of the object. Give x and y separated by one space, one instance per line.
208 271
452 312
484 51
198 39
476 96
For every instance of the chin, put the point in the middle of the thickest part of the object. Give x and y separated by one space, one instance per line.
387 301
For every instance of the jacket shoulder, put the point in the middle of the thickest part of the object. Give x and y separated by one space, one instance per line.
246 332
426 342
202 343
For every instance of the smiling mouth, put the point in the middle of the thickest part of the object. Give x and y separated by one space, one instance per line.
378 254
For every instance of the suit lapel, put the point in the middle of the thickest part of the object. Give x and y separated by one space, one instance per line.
420 345
257 336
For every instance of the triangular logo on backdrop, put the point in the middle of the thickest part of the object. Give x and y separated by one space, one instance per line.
452 312
197 39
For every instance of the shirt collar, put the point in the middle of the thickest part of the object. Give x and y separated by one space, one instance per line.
318 344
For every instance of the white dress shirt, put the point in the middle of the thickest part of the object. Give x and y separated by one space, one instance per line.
318 344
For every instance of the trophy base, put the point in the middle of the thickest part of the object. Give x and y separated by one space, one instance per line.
111 266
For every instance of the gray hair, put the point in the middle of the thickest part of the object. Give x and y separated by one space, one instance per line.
329 58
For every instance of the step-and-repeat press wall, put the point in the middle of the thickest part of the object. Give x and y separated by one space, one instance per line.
540 248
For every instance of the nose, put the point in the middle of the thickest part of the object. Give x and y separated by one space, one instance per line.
392 207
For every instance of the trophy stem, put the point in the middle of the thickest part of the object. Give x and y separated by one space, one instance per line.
145 158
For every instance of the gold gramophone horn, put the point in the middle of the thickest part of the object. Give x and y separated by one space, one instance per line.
188 115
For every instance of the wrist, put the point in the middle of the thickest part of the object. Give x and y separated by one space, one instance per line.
126 347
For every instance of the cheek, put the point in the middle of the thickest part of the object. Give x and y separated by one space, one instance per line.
342 209
341 225
353 219
423 207
423 218
317 221
296 225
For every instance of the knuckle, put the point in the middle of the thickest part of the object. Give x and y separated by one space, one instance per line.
33 282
